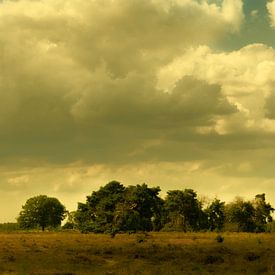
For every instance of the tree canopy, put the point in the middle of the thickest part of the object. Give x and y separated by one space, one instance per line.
116 208
41 211
183 209
216 215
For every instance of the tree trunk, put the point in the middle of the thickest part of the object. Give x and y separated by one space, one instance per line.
43 228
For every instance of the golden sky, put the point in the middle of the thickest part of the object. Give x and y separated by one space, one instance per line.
175 93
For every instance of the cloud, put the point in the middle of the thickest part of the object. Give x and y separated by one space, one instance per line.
271 10
92 91
232 11
78 80
270 103
246 77
124 35
240 144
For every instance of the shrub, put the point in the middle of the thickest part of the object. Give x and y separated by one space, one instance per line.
219 238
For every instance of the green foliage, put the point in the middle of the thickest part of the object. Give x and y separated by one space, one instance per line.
183 210
114 208
140 210
68 225
41 211
71 222
97 214
216 215
250 216
8 227
242 213
262 213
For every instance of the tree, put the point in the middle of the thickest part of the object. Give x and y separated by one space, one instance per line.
70 223
41 211
115 208
263 212
241 213
97 214
141 209
183 210
216 215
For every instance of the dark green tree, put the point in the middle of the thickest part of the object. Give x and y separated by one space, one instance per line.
141 209
97 214
183 210
41 211
263 211
241 213
115 208
216 215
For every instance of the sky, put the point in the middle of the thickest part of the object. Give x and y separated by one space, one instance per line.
174 93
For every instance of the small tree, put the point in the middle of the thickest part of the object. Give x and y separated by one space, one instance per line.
241 213
97 214
71 221
263 211
140 210
216 215
41 211
183 210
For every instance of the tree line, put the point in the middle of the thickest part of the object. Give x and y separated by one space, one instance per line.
115 208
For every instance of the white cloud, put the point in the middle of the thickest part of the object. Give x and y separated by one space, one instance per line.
232 11
246 77
271 10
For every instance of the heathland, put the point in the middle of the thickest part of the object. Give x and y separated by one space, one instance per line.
140 253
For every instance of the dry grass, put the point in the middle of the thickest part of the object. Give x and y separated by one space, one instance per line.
156 253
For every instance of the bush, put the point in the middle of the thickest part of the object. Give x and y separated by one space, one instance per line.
7 227
68 225
219 238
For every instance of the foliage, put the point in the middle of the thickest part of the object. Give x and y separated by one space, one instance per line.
216 215
115 208
8 227
250 216
140 210
70 223
97 214
263 212
184 210
41 211
242 213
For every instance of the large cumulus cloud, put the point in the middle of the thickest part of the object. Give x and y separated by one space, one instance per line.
246 77
95 90
78 80
244 146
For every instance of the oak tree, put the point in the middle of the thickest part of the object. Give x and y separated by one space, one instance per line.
41 211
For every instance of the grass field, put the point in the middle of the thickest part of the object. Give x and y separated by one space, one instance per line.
155 253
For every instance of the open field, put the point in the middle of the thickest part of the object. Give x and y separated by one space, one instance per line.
155 253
